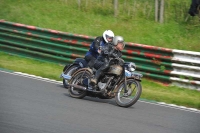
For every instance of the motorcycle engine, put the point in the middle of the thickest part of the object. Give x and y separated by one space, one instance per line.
103 82
101 85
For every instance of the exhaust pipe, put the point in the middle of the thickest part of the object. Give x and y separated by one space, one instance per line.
77 87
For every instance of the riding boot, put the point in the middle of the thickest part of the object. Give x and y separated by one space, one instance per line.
94 80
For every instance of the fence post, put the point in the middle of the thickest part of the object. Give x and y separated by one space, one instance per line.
79 4
156 10
115 7
103 2
159 10
162 5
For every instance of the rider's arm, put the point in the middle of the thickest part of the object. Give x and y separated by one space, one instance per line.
115 53
95 45
105 50
93 49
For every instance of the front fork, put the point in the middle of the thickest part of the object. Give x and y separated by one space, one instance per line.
125 83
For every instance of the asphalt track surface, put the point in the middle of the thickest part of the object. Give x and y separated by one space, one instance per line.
30 105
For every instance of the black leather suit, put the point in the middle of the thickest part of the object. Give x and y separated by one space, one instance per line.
108 51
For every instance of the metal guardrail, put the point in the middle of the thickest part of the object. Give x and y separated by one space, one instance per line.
186 69
61 47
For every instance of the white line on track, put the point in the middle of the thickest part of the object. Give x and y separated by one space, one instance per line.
60 83
34 77
193 110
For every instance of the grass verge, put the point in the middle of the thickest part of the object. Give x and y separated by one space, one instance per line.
151 90
92 19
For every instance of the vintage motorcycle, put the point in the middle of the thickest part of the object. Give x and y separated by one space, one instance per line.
119 82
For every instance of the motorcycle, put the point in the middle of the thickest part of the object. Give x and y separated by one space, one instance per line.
119 82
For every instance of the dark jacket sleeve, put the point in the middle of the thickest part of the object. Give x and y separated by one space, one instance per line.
105 50
116 54
96 43
110 51
94 47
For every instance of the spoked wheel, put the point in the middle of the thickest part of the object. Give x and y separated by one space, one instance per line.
69 71
127 99
78 80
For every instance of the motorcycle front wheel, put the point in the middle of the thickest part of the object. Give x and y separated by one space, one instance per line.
78 80
127 99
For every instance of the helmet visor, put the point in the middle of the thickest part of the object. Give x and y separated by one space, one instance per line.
109 38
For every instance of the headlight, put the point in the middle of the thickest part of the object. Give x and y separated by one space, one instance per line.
131 66
132 69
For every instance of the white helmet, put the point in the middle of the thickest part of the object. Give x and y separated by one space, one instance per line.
106 34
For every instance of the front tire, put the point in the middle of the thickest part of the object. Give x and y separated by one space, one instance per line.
128 99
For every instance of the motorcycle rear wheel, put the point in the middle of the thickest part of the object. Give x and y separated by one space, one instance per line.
69 71
77 79
128 99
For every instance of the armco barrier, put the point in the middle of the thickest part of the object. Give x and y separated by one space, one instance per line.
179 67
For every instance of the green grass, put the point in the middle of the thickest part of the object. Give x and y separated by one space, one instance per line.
92 19
151 90
31 66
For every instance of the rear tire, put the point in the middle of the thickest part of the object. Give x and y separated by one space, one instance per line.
128 99
77 79
69 71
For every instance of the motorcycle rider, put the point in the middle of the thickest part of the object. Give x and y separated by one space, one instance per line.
109 50
94 52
